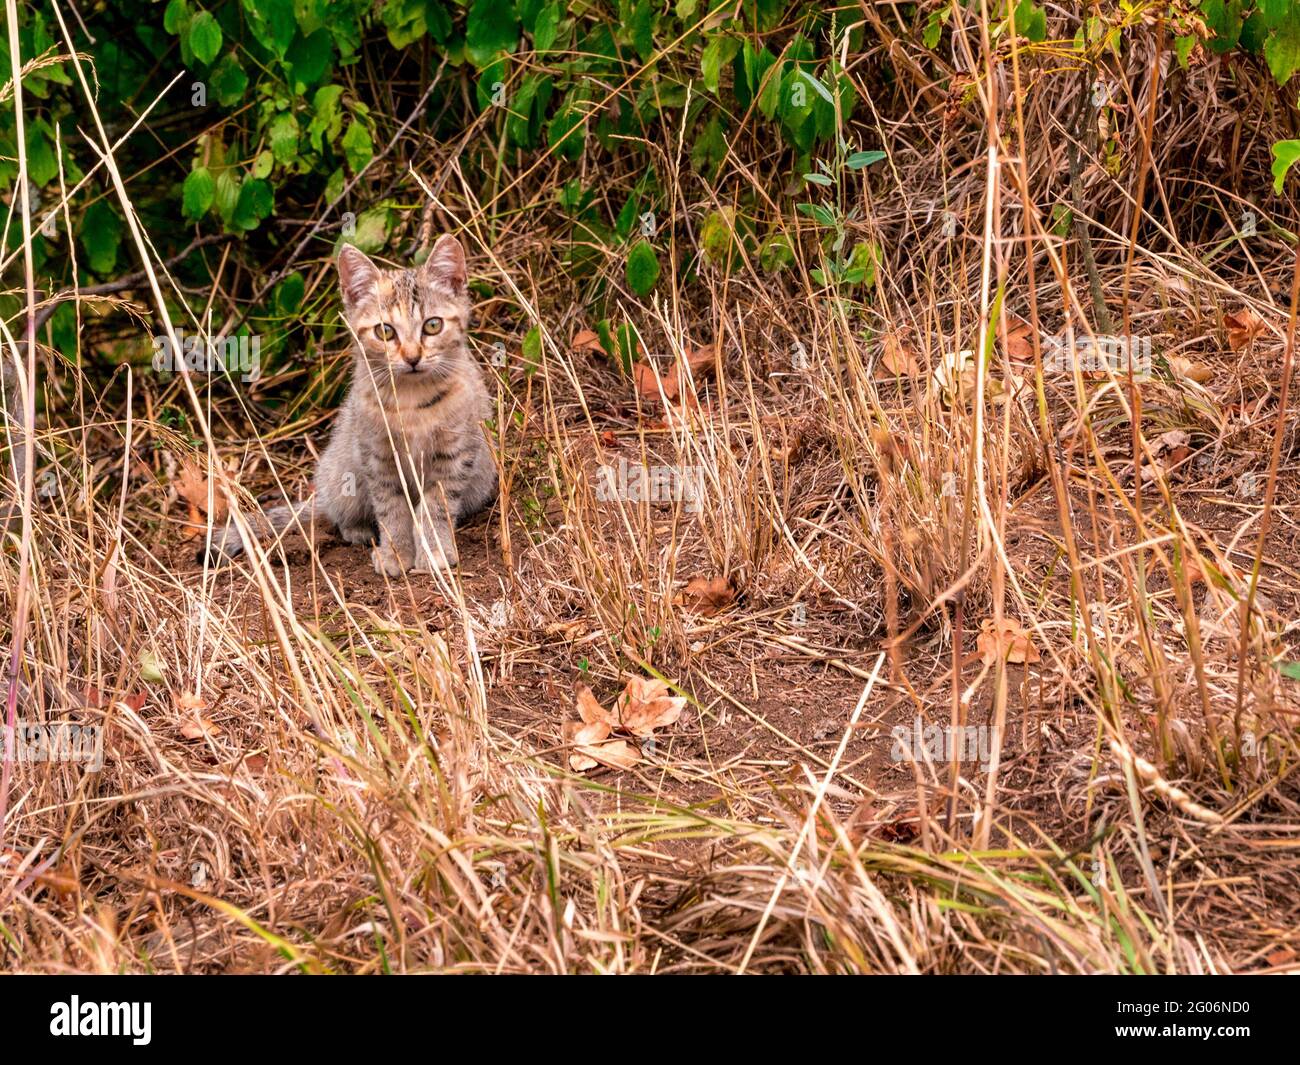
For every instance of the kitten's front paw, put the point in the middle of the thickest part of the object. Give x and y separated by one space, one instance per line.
429 561
387 562
358 534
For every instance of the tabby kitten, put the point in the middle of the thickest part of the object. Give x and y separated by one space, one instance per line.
407 457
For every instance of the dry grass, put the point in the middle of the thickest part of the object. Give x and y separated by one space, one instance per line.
383 786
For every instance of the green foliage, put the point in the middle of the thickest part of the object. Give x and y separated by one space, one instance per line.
642 268
1285 156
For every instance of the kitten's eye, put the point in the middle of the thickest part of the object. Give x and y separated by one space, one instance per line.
432 327
384 331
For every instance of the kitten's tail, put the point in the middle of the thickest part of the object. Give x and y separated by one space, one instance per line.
228 543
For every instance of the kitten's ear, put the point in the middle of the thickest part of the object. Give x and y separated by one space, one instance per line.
446 263
357 275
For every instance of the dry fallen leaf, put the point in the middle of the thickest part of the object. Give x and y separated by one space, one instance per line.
592 747
195 726
1243 326
191 486
647 381
953 368
585 340
1008 641
702 359
645 705
707 597
589 708
896 357
1018 343
1192 371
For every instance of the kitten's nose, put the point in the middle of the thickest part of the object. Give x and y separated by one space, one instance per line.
412 358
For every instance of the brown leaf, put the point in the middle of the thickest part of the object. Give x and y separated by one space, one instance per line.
702 359
585 340
1243 326
1193 371
592 748
1008 641
191 486
591 711
707 597
645 705
897 358
194 726
647 381
1019 343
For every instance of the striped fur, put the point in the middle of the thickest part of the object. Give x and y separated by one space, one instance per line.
408 458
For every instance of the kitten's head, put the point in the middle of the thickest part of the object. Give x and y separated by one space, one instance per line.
411 322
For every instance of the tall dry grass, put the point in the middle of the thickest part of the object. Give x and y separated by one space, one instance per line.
296 778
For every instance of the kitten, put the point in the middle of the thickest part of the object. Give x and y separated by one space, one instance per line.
407 457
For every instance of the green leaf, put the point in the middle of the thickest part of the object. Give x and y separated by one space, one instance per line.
1282 50
821 89
272 23
226 195
861 267
859 160
491 27
42 163
717 237
289 293
205 37
1062 220
228 81
1183 48
642 268
197 193
151 667
101 234
1290 670
371 232
547 27
1285 154
283 137
256 201
406 21
776 253
532 351
357 146
934 26
718 52
710 147
1030 21
818 179
641 29
176 16
309 58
